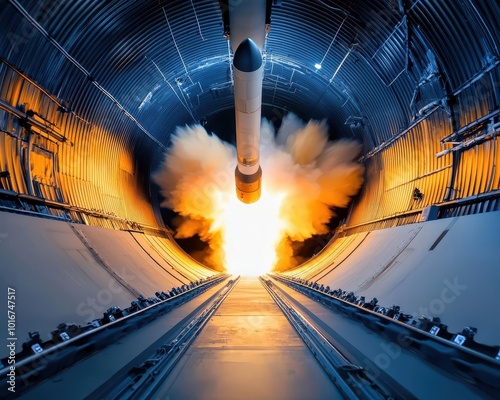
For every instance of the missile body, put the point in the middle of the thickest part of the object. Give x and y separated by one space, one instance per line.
248 69
247 20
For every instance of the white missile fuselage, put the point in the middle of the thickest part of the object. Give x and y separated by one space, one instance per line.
247 33
248 99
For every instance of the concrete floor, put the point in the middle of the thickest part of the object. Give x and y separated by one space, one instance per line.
248 350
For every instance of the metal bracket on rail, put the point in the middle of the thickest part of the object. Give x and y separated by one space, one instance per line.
39 360
456 353
351 379
143 380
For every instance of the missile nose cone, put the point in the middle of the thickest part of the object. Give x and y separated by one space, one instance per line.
247 57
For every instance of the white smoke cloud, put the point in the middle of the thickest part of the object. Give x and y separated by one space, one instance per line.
311 173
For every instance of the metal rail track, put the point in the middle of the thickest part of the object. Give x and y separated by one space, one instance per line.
79 342
350 379
476 365
143 380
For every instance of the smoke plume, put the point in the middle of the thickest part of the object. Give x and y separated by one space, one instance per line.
303 172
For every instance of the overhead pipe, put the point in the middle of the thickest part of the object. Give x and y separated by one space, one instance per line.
491 133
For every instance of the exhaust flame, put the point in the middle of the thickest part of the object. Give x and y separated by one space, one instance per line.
303 176
250 233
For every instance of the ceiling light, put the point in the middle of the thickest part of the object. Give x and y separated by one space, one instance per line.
317 66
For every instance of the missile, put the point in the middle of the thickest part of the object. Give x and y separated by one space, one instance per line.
248 30
248 72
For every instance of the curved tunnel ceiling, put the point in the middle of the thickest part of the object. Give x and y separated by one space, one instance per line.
167 62
137 69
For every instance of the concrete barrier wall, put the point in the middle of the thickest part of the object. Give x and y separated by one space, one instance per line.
448 268
72 273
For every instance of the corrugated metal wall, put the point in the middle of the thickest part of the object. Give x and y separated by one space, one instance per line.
58 157
416 81
409 163
449 150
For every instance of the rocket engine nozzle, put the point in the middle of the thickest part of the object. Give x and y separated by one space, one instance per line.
248 187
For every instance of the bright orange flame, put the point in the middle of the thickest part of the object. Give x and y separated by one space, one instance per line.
250 233
304 176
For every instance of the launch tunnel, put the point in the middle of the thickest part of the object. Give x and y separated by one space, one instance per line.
91 94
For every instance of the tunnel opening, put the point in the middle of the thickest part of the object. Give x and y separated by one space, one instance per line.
299 248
